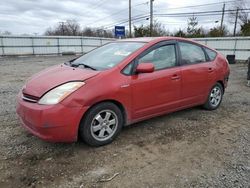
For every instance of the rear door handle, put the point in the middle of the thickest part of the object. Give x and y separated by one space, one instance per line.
175 77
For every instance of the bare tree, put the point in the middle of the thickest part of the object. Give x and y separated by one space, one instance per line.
240 15
243 14
69 28
5 33
72 28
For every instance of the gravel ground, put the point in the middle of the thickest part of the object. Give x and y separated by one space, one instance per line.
190 148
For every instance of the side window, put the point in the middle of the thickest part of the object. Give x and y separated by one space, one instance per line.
162 57
211 54
191 53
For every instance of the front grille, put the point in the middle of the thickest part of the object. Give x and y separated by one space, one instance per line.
30 98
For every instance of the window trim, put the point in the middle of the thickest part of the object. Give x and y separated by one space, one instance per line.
193 43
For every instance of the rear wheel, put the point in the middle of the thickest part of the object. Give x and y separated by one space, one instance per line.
214 97
101 124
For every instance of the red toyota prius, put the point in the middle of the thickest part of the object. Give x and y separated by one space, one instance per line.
118 84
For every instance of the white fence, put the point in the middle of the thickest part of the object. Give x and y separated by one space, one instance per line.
238 46
45 45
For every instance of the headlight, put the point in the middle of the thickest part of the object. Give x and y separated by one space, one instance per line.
57 94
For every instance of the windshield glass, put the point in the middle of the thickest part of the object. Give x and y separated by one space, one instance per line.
107 56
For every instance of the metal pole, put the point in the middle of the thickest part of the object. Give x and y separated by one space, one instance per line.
130 34
32 42
151 17
58 46
81 45
2 46
236 19
235 45
222 19
62 23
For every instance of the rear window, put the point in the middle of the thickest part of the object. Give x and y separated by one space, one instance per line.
211 54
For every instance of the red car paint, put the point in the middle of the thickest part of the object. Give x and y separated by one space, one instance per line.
141 95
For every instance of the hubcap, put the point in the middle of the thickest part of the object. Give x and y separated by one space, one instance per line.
215 96
104 125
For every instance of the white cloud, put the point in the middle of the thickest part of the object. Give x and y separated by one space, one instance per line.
34 16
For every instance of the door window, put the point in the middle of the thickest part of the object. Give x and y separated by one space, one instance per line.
191 53
162 57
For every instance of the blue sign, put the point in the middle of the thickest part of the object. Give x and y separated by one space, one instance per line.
119 31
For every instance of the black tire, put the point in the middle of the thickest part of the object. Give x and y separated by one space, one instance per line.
86 127
209 105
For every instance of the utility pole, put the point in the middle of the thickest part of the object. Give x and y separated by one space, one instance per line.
236 19
151 17
130 34
222 19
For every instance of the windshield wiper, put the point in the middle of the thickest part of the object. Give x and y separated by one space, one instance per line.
85 65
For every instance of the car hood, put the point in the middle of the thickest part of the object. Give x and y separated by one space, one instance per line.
49 78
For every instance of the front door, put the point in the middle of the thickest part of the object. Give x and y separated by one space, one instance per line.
157 92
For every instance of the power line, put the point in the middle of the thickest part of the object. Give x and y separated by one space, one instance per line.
119 12
101 2
200 5
186 14
115 13
197 13
118 23
124 20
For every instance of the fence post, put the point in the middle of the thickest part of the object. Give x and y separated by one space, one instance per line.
58 46
235 45
82 45
32 45
2 45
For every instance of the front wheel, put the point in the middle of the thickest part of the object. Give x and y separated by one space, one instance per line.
101 124
214 97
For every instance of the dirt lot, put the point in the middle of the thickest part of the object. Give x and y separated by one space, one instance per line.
190 148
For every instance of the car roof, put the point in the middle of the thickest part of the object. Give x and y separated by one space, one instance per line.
158 39
153 39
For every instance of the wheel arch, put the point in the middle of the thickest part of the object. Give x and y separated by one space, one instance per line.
222 84
116 102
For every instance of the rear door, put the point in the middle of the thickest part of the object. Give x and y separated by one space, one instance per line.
197 74
159 91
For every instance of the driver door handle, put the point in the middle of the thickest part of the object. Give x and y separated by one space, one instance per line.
175 77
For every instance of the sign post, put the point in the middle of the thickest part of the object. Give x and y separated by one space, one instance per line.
119 31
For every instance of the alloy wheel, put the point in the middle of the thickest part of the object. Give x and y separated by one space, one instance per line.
104 125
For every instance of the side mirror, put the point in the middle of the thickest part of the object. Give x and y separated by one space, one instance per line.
145 68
